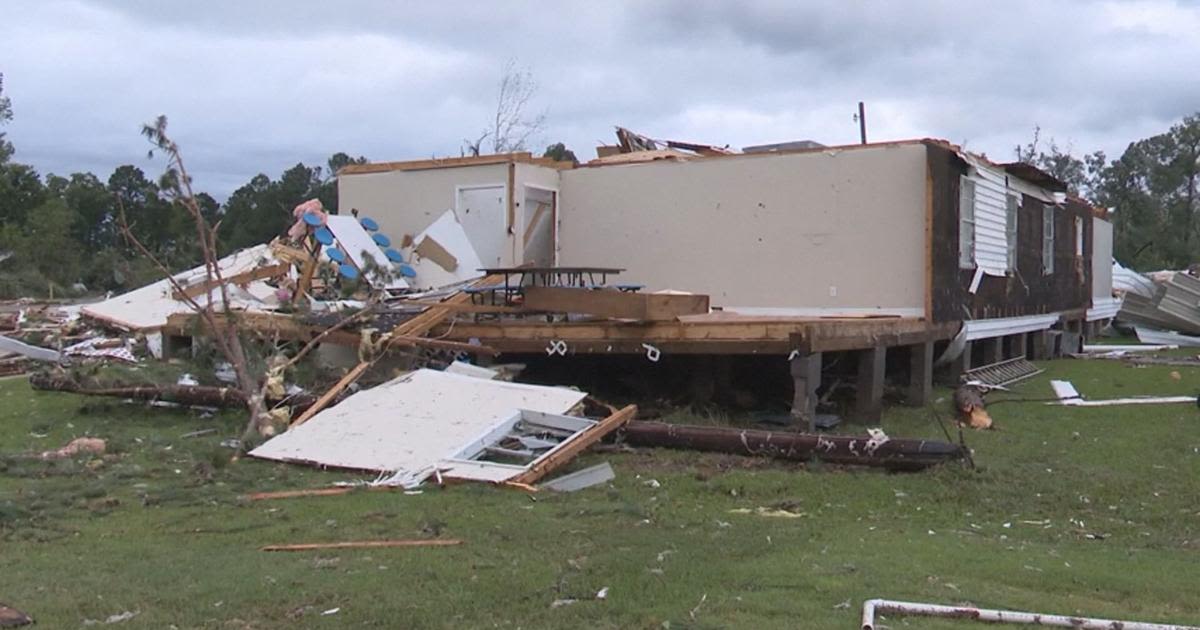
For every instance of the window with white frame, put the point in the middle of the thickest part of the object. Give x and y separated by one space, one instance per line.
966 223
1047 239
1010 230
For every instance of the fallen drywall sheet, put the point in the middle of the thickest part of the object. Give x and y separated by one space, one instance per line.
410 424
359 246
1067 395
446 235
36 353
149 307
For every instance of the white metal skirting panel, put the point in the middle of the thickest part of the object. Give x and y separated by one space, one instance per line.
991 220
411 423
1103 309
988 328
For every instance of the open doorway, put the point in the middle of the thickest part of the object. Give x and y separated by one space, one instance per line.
540 229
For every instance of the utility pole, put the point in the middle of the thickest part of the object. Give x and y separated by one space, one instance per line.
862 122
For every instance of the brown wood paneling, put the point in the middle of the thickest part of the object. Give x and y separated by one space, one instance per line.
1027 291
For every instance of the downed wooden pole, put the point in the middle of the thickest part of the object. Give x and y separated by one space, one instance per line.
198 395
894 454
365 544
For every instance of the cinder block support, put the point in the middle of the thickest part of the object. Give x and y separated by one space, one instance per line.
920 374
1018 345
1039 345
806 378
993 350
868 403
960 365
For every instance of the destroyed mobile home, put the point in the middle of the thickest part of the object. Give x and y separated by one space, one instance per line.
515 258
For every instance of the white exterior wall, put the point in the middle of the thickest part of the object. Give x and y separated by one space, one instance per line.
407 202
828 231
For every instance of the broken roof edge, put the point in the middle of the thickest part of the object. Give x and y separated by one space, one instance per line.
518 157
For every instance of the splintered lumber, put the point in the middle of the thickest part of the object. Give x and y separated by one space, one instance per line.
258 273
615 304
894 454
588 437
308 492
365 544
407 332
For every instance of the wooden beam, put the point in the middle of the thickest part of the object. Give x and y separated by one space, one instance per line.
365 544
245 277
588 437
868 402
462 308
615 304
408 332
333 393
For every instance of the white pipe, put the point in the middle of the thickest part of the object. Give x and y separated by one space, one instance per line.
871 606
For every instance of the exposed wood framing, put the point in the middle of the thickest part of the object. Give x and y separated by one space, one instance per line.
587 437
615 304
258 273
332 393
523 157
703 337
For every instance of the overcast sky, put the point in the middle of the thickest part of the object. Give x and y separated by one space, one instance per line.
255 86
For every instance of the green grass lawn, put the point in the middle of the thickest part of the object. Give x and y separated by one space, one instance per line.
1073 511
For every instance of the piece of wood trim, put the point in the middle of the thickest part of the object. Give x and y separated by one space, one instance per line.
306 276
580 443
512 199
292 494
364 544
245 277
419 165
928 236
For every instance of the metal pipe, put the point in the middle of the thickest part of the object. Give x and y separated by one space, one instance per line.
872 606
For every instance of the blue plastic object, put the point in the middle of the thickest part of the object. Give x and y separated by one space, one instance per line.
312 219
369 224
336 255
407 272
348 270
381 240
393 255
323 236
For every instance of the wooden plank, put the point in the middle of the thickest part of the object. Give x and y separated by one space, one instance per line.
258 273
587 437
332 393
512 201
365 544
420 165
928 239
407 332
304 286
462 308
309 492
615 304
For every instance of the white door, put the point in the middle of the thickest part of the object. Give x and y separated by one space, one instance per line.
483 214
539 227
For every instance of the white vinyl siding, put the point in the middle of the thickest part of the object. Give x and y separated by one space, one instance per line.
1047 239
991 222
1014 203
966 223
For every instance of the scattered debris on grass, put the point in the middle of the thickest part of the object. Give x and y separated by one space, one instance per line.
13 618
